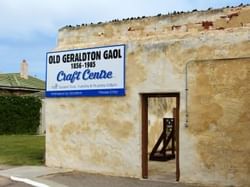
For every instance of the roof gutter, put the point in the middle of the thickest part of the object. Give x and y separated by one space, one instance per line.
20 88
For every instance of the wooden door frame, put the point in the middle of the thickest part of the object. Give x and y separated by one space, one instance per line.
144 130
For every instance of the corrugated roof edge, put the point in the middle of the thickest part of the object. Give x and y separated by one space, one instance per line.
30 78
21 88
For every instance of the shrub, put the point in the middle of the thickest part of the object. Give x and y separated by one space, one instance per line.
19 115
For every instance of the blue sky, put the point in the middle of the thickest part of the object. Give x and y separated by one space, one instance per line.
29 27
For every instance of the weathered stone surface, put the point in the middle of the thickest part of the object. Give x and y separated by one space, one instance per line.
103 135
219 120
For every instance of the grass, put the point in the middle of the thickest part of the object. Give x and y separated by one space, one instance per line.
22 150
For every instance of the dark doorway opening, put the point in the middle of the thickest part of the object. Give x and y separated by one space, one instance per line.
152 105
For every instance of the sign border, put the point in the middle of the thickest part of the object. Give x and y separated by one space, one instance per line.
87 93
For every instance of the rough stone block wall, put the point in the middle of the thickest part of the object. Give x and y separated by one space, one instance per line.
103 135
219 119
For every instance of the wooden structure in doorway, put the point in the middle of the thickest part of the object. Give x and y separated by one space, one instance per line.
144 116
166 138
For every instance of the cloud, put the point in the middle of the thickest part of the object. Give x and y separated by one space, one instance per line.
24 19
29 27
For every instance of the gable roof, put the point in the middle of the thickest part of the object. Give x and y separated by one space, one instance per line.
14 81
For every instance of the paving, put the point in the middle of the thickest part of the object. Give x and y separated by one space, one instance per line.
56 177
78 179
4 167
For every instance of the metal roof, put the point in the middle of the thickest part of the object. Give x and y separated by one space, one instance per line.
14 81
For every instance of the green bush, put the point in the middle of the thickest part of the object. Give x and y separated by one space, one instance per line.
19 115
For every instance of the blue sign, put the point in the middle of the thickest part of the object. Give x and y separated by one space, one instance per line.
96 71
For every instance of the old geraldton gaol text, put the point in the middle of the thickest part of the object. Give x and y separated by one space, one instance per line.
86 60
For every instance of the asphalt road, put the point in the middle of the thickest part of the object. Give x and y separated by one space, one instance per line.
55 177
5 182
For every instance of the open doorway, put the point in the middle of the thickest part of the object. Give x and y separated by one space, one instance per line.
160 136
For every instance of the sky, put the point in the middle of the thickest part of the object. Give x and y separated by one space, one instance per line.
28 28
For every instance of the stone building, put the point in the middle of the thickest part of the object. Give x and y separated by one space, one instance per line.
197 63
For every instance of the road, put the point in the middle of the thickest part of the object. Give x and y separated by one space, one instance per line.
58 177
5 182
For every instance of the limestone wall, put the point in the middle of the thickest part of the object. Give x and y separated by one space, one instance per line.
219 120
103 134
